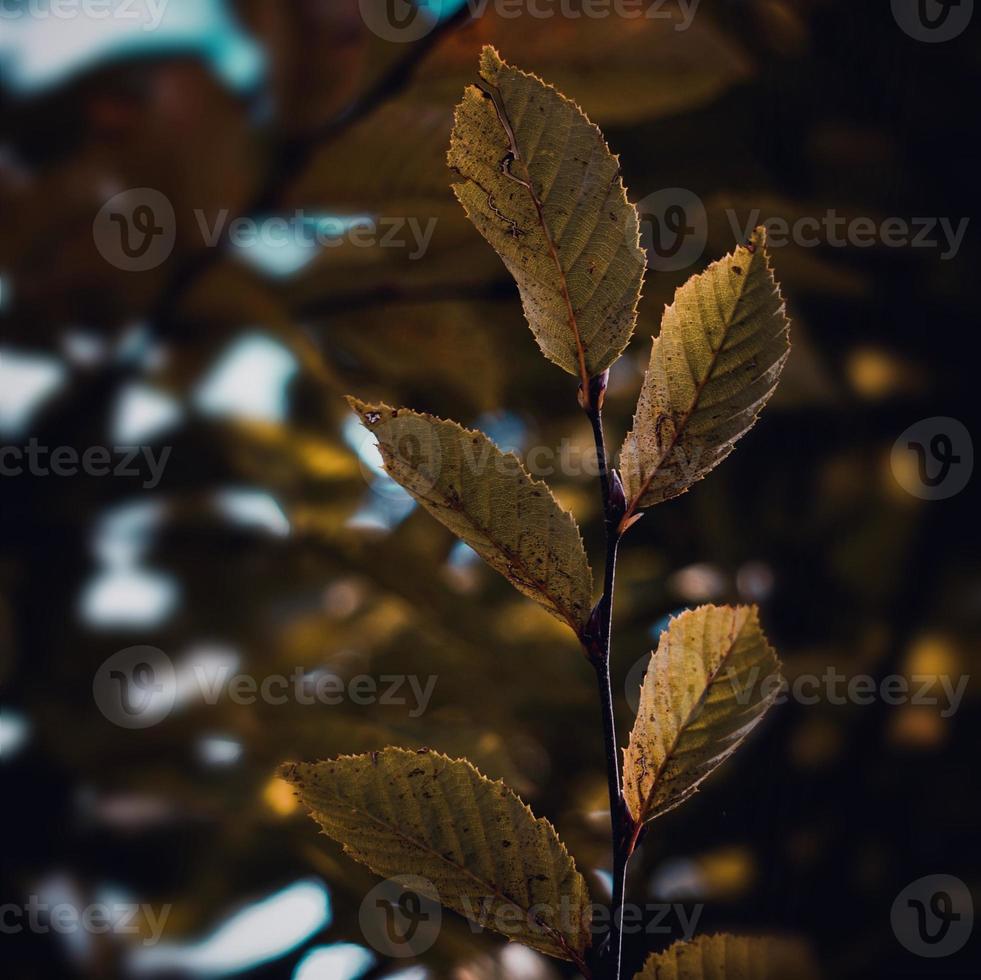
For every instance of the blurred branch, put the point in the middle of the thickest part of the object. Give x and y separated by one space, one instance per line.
294 155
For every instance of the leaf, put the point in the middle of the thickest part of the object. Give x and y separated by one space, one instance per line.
665 70
414 173
705 689
489 500
728 957
481 848
722 345
542 187
423 349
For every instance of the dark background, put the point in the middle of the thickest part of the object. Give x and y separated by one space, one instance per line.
830 810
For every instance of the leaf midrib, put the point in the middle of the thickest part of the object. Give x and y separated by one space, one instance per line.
555 934
529 578
503 118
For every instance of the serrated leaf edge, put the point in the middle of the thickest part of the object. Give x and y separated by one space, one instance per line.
752 618
489 51
287 771
361 408
757 247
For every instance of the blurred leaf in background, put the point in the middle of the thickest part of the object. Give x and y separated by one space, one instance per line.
273 546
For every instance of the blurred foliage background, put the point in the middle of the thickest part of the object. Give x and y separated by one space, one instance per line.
272 542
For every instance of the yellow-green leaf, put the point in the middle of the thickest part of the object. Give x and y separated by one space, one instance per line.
481 849
540 184
727 957
710 681
722 345
488 499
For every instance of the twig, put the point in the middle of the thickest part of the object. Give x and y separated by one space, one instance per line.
293 157
597 642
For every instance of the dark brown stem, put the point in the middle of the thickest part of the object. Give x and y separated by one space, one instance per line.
597 641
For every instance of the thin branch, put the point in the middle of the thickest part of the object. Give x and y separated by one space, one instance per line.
585 384
597 641
293 156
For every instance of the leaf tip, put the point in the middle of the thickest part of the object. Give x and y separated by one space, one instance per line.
491 62
292 773
370 415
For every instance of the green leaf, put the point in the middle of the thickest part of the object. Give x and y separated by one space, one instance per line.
480 847
708 684
540 184
722 345
489 500
727 957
